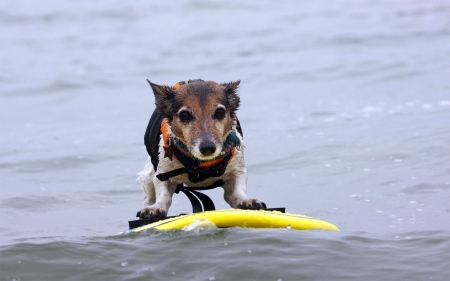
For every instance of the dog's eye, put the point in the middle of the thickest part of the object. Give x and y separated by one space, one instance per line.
220 113
185 116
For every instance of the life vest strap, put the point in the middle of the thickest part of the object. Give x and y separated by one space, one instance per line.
200 202
173 173
195 175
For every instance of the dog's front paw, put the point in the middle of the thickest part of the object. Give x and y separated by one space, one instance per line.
147 213
252 204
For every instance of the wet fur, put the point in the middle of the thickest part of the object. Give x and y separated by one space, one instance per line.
201 99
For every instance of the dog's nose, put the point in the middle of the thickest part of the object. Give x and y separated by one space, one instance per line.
207 148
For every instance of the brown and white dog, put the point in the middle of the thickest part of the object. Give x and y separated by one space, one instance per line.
200 117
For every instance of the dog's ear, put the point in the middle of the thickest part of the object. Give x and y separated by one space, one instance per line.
231 94
164 99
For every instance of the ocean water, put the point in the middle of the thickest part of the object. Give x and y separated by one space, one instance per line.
345 111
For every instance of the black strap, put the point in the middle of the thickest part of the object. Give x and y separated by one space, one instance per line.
196 205
208 204
173 173
200 202
200 174
239 128
152 137
190 81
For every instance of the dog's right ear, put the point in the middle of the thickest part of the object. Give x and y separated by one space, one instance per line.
232 97
164 99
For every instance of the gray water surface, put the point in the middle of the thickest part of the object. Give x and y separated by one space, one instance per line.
345 110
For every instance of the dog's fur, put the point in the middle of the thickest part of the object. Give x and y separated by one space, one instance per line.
203 135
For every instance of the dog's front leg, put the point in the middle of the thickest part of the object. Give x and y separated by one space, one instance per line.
163 193
236 193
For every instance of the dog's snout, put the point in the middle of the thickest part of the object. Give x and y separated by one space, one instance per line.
207 148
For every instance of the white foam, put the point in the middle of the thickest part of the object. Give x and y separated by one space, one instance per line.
199 224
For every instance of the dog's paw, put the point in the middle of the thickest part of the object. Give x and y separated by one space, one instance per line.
151 213
252 204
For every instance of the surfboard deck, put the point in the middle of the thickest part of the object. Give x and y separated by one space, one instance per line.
242 218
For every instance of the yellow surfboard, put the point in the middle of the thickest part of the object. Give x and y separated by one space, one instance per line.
242 218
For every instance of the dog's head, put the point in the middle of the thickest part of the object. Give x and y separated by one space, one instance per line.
200 114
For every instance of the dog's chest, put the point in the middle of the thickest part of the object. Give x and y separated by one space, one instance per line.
184 179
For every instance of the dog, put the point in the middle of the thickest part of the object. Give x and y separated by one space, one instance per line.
198 142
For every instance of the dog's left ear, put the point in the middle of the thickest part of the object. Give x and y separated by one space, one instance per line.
164 99
232 97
